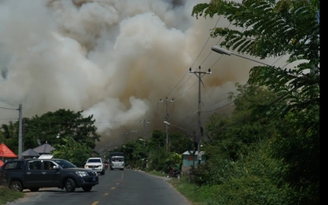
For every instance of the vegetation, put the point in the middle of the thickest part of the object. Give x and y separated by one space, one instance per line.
7 195
73 136
268 150
281 126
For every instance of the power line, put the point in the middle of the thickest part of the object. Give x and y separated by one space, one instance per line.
194 60
5 108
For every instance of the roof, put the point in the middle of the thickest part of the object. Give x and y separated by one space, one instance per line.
30 153
44 149
1 162
6 152
191 151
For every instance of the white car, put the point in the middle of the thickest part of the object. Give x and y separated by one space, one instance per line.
95 163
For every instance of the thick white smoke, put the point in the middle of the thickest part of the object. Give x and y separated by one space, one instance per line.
114 59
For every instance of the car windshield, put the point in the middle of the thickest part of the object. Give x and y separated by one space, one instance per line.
117 159
94 160
65 163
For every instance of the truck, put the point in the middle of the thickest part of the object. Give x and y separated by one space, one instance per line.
33 174
116 161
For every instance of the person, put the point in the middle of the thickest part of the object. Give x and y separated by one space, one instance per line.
170 171
49 165
106 164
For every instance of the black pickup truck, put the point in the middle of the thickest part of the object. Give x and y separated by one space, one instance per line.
34 174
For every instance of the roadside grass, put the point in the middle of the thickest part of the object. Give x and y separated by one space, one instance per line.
156 173
194 194
187 189
7 195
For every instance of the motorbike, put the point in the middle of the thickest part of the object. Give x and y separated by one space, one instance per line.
175 173
106 165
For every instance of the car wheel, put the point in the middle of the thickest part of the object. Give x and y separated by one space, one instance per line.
34 189
87 188
102 172
16 185
70 185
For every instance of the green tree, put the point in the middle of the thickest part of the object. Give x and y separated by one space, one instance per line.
10 135
52 127
232 136
266 28
178 142
73 151
157 140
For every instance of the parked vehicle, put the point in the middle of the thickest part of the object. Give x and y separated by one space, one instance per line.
95 163
116 160
174 171
33 174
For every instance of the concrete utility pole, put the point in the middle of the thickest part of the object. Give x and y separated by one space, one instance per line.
166 119
20 136
124 136
134 135
199 74
144 127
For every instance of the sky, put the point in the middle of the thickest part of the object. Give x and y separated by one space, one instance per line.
115 60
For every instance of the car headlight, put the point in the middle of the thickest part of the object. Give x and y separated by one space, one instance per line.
82 173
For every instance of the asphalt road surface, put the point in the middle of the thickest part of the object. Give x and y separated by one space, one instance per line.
128 187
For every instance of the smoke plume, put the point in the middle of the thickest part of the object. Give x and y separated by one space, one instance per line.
114 60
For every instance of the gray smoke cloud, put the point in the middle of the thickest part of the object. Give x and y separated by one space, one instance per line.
114 60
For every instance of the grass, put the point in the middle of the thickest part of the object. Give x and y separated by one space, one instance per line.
188 190
7 195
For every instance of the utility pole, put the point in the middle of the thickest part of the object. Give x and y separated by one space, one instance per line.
166 119
199 75
20 136
134 135
144 127
124 136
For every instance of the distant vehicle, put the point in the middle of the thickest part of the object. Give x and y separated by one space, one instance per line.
116 160
33 174
95 163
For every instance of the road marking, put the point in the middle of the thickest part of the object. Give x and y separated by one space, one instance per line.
113 187
95 203
105 194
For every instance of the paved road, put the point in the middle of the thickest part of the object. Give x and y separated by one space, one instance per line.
116 187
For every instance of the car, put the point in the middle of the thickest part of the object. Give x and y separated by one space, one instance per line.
117 160
96 164
33 174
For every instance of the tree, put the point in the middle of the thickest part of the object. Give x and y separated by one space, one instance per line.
52 127
267 28
73 151
179 142
10 135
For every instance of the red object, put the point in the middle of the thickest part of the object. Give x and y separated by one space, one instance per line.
1 162
6 152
